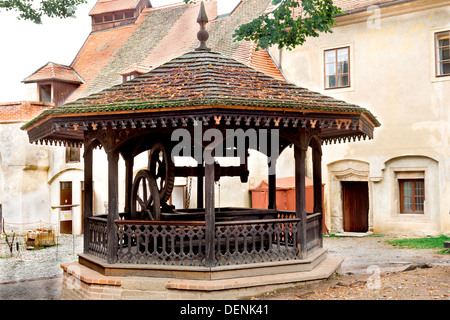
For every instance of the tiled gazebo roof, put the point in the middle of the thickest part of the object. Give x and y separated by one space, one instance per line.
209 85
201 78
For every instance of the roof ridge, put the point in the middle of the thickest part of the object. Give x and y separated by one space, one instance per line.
165 6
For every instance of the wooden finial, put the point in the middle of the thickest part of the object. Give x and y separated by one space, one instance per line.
202 35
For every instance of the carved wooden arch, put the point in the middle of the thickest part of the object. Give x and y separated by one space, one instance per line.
138 143
92 141
315 142
303 137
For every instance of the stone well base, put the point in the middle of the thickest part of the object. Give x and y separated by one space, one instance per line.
83 283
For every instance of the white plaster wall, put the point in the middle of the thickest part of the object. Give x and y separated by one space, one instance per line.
23 173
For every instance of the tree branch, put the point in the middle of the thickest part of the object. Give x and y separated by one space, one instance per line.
49 8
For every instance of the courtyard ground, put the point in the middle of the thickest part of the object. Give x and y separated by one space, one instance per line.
375 270
372 270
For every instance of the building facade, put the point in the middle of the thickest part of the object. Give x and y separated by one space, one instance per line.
392 58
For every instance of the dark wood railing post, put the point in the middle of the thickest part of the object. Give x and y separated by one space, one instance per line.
113 212
300 199
129 162
272 187
317 181
209 214
88 196
199 186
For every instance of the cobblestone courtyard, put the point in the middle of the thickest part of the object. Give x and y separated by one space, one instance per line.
38 264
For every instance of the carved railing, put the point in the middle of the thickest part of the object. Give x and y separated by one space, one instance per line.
161 242
256 241
184 243
313 231
98 237
313 228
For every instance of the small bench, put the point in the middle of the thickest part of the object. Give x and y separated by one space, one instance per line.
447 244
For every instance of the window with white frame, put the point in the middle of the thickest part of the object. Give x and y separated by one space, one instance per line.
337 68
442 46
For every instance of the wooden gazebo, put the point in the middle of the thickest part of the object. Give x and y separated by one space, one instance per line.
206 93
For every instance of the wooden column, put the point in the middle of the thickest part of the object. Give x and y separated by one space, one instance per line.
88 195
210 215
300 199
272 179
129 162
113 200
200 191
317 180
272 191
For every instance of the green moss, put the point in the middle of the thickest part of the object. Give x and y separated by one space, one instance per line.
420 243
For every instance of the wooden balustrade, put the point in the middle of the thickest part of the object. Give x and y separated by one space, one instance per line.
183 242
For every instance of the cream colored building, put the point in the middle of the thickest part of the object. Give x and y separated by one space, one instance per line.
393 60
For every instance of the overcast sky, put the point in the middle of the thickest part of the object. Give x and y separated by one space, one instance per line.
25 47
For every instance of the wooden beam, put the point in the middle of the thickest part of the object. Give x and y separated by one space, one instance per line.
229 171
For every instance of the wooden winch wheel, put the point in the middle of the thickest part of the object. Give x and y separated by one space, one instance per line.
145 203
162 169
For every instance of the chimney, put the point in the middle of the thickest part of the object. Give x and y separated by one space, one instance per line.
226 7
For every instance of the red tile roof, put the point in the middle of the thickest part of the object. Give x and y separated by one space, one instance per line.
161 34
56 72
95 55
350 5
346 5
106 6
22 111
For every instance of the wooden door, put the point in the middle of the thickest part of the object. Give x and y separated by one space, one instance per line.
356 206
65 225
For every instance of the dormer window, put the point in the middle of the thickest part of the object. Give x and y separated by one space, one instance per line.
129 77
115 13
134 71
129 14
55 82
45 93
